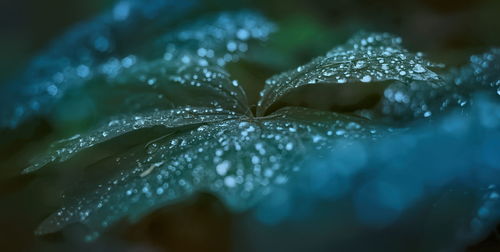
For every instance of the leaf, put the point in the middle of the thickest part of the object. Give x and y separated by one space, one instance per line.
419 99
194 58
189 55
67 148
483 71
213 141
70 61
209 158
365 58
188 85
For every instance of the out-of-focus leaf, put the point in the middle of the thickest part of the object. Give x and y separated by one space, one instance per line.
189 56
420 99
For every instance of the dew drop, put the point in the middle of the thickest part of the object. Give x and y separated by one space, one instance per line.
243 34
223 167
360 64
419 69
366 78
151 81
328 72
342 81
230 181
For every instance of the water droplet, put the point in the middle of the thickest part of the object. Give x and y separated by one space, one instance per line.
232 46
255 160
223 167
159 191
152 148
419 69
202 52
360 64
353 125
52 90
83 71
366 78
219 152
243 34
129 192
151 81
342 81
230 181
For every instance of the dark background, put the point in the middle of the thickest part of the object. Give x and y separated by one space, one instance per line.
453 28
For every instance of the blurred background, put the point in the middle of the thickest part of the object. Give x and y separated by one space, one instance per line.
448 31
439 27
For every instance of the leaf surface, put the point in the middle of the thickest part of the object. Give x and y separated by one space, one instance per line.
366 58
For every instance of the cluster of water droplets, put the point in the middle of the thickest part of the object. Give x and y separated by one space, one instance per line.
365 58
385 184
217 145
115 127
80 55
109 48
240 159
421 99
482 72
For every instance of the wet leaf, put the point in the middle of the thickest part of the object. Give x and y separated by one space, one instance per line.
208 158
366 58
421 99
65 149
110 52
217 144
